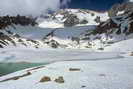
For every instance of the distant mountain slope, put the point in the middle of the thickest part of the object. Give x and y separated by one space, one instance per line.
9 38
72 17
117 28
99 31
22 31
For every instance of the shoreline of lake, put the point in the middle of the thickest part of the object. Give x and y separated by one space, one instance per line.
7 68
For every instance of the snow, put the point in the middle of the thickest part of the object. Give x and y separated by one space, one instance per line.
98 74
58 21
50 24
38 33
122 46
110 68
48 55
120 12
61 35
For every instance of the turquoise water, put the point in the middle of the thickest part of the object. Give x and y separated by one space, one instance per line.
6 68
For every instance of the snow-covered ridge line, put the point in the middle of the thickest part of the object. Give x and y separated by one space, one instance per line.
117 28
72 17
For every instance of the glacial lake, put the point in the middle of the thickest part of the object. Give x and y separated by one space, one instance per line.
7 68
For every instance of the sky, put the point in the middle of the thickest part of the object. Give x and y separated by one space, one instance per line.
37 7
93 4
27 7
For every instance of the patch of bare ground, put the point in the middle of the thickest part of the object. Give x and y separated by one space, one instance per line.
45 79
131 54
74 69
102 75
60 79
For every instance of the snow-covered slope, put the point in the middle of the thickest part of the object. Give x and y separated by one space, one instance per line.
8 38
23 31
117 28
106 33
72 17
36 37
48 55
122 46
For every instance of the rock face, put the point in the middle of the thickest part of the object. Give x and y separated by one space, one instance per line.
128 6
6 21
8 37
118 24
119 27
45 79
49 41
76 17
60 79
72 20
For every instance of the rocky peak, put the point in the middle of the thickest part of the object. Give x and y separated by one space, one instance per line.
117 8
75 17
115 29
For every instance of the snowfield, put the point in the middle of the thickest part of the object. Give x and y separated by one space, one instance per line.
68 69
122 46
48 55
97 74
38 33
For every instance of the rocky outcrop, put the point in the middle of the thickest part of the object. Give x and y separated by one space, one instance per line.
121 24
76 17
128 6
72 20
8 38
6 21
116 29
48 39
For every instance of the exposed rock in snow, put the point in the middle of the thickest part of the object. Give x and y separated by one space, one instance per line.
8 38
117 8
73 17
115 29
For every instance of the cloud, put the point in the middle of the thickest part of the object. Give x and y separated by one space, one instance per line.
130 0
64 3
27 7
